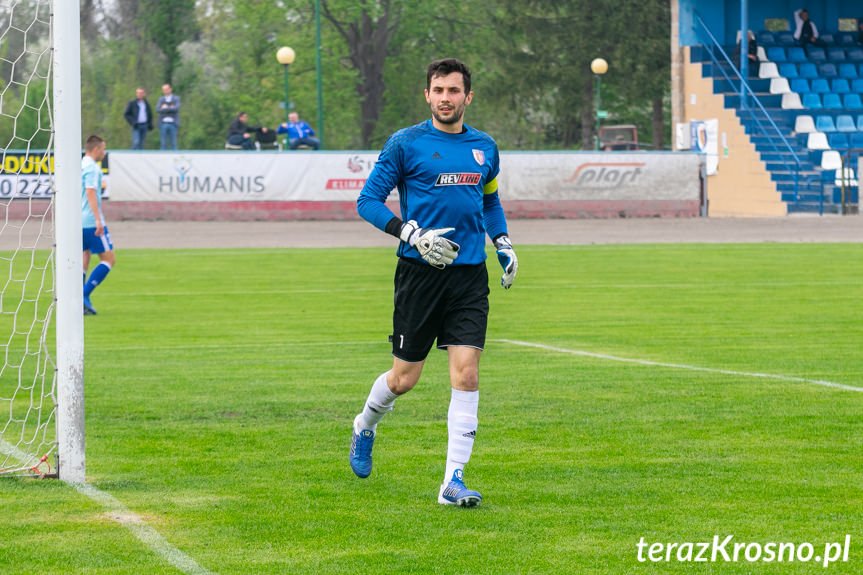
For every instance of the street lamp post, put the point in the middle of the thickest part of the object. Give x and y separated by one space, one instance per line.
286 56
598 67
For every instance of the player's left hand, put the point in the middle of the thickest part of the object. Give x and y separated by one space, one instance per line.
507 259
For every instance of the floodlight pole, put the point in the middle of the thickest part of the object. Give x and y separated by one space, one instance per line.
598 67
318 68
66 120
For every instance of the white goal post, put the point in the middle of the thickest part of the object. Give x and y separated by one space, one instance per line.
41 320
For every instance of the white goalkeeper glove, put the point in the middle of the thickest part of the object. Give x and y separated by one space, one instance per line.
432 246
507 259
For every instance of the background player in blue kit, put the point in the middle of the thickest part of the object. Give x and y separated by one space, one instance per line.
446 175
95 232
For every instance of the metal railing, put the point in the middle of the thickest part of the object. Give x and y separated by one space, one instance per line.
746 91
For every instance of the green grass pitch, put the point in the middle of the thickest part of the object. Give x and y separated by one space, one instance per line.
221 386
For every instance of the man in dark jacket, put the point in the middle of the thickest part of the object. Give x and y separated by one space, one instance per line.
140 117
239 133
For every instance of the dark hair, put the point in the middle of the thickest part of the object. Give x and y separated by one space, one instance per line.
93 142
446 67
240 114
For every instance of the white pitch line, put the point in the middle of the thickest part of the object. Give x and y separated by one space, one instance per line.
121 514
681 366
140 529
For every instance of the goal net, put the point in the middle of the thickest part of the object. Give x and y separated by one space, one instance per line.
28 370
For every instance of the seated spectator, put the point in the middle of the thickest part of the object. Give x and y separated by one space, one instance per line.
240 134
752 48
806 32
299 133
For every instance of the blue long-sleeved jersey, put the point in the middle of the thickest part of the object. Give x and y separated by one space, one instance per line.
444 181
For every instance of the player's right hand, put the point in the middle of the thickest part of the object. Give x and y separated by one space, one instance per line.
431 245
100 229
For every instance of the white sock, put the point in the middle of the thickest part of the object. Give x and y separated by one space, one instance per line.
461 426
379 403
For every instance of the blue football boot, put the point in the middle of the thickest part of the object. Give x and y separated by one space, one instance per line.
88 307
361 451
455 493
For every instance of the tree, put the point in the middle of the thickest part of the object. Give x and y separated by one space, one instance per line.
169 23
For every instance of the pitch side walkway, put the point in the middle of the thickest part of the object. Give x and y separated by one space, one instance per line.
165 234
132 234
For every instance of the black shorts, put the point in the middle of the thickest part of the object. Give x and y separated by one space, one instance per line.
450 305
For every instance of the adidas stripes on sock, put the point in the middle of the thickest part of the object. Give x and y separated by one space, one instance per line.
97 276
461 427
378 404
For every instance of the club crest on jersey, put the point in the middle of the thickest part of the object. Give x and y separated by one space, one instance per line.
479 156
458 179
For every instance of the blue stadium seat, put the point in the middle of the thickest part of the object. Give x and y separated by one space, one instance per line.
837 141
845 123
765 38
852 102
860 123
847 70
827 38
836 53
827 70
820 86
857 86
832 101
801 85
812 101
809 70
788 70
816 54
785 39
839 86
845 38
857 140
776 54
855 54
824 123
796 54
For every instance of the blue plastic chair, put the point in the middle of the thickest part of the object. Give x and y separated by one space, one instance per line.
857 86
801 85
810 70
837 141
845 123
796 54
836 53
852 102
839 86
846 39
856 140
860 123
847 70
765 38
816 54
855 54
788 70
824 123
776 54
785 39
832 101
827 38
820 86
827 70
812 101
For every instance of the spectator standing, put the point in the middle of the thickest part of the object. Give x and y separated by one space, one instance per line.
240 134
168 108
806 32
299 133
139 115
96 238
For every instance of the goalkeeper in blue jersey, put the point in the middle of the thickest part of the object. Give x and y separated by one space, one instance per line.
446 175
96 238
